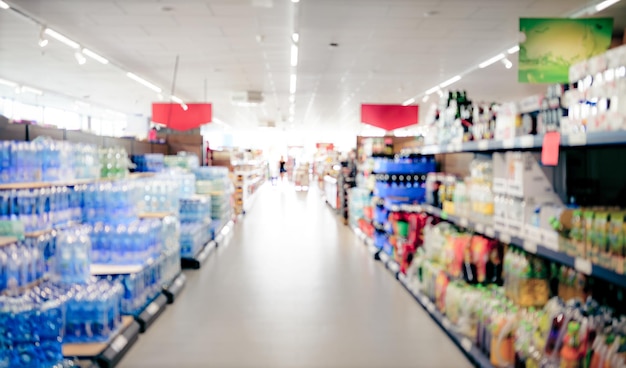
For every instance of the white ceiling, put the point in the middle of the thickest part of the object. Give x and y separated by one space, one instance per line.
389 51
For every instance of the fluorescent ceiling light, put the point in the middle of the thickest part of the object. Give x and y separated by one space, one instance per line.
8 83
440 93
82 104
295 37
425 98
294 55
507 63
605 4
32 90
494 59
140 80
95 56
4 5
432 90
513 49
184 106
59 37
43 42
295 1
408 102
292 84
292 98
80 58
450 81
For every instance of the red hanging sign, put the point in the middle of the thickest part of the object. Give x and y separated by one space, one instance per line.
173 116
389 117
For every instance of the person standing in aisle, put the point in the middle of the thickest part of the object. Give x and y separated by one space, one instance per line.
282 167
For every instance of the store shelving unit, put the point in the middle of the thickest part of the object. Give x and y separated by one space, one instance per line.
106 354
529 142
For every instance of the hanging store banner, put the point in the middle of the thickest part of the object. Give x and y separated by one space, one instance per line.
549 46
389 117
173 116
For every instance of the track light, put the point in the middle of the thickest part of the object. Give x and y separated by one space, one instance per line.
507 63
425 98
295 37
95 56
4 5
80 58
59 37
43 41
144 82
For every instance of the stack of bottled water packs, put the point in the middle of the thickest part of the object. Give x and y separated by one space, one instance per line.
122 244
215 182
45 159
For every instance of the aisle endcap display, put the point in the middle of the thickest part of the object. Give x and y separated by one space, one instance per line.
173 290
107 354
151 312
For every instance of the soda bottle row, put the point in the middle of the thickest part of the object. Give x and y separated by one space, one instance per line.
93 311
40 209
45 159
134 243
20 265
72 257
151 162
197 209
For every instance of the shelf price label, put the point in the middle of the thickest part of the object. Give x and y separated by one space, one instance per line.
527 141
490 232
446 323
508 143
483 145
480 228
466 344
119 343
530 247
583 265
152 308
463 222
505 238
430 306
577 139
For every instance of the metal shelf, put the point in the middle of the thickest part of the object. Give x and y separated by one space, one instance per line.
528 142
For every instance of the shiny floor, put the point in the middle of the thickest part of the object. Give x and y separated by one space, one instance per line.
294 288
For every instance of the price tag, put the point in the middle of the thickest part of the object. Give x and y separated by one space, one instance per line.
582 265
424 300
466 344
530 246
119 343
152 308
395 267
490 232
179 282
505 238
483 145
446 323
480 228
508 143
431 307
463 222
577 139
527 141
435 150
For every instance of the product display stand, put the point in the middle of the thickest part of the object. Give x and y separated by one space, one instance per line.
173 290
151 312
198 260
106 354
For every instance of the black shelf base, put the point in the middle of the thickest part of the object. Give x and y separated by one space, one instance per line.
151 312
119 347
198 260
174 289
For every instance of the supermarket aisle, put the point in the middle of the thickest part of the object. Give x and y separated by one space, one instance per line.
294 288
